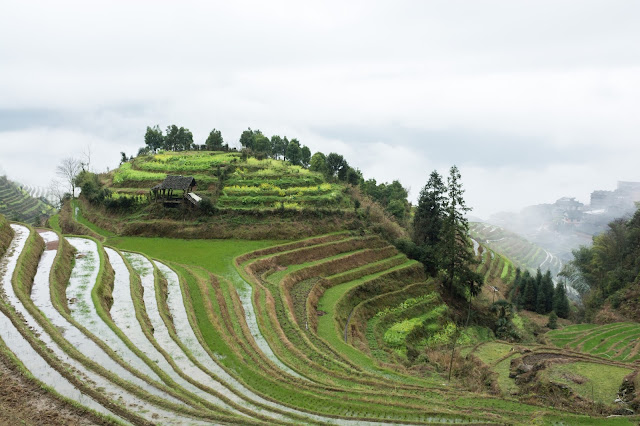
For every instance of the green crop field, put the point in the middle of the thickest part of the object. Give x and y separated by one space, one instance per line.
523 253
248 184
338 328
17 204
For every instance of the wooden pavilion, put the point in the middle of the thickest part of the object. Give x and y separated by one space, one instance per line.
174 190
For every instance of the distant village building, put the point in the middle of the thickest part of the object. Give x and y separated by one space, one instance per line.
621 199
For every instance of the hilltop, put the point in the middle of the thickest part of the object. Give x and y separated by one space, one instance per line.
290 296
243 197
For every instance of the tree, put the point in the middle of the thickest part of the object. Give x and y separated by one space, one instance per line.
284 146
184 139
574 278
560 301
457 249
335 163
57 191
277 146
318 163
305 156
171 138
353 176
246 139
553 320
530 295
68 170
153 138
541 296
428 221
261 144
547 289
293 152
214 142
86 155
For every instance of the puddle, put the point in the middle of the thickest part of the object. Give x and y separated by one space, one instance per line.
145 269
83 277
123 314
245 292
30 358
17 344
188 338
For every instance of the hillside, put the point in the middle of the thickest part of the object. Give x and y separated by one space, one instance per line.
522 252
17 204
245 197
303 313
335 329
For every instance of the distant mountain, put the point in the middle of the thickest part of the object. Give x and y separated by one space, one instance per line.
16 203
567 224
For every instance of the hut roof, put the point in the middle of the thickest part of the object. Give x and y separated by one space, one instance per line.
177 182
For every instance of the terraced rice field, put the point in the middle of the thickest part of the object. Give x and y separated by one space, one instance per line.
248 184
283 334
618 341
523 253
16 203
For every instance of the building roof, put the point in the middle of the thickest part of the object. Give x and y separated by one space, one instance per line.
176 182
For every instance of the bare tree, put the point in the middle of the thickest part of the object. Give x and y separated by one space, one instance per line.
57 191
68 169
86 157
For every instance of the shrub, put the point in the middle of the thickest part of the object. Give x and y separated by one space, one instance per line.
206 206
553 320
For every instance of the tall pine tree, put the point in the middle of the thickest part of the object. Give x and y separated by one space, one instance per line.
457 249
560 301
428 221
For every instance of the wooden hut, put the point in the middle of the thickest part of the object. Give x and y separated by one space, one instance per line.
173 190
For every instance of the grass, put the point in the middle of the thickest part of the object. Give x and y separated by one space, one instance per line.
77 215
596 382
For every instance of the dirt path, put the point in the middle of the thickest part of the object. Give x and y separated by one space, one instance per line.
24 402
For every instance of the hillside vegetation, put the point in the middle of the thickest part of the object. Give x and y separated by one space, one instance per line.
318 306
17 204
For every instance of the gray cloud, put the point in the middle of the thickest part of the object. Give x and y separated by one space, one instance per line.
532 99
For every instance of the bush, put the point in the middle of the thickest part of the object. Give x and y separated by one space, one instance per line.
553 320
206 206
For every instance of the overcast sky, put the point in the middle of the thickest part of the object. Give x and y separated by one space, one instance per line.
533 100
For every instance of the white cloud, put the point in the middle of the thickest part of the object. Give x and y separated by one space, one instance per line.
548 92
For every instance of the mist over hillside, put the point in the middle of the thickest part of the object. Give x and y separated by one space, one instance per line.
567 223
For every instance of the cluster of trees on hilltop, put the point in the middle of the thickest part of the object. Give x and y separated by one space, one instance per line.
538 294
275 147
392 196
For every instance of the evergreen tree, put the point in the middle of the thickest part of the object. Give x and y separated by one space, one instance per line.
530 294
457 249
541 301
428 221
305 156
548 290
560 301
553 320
